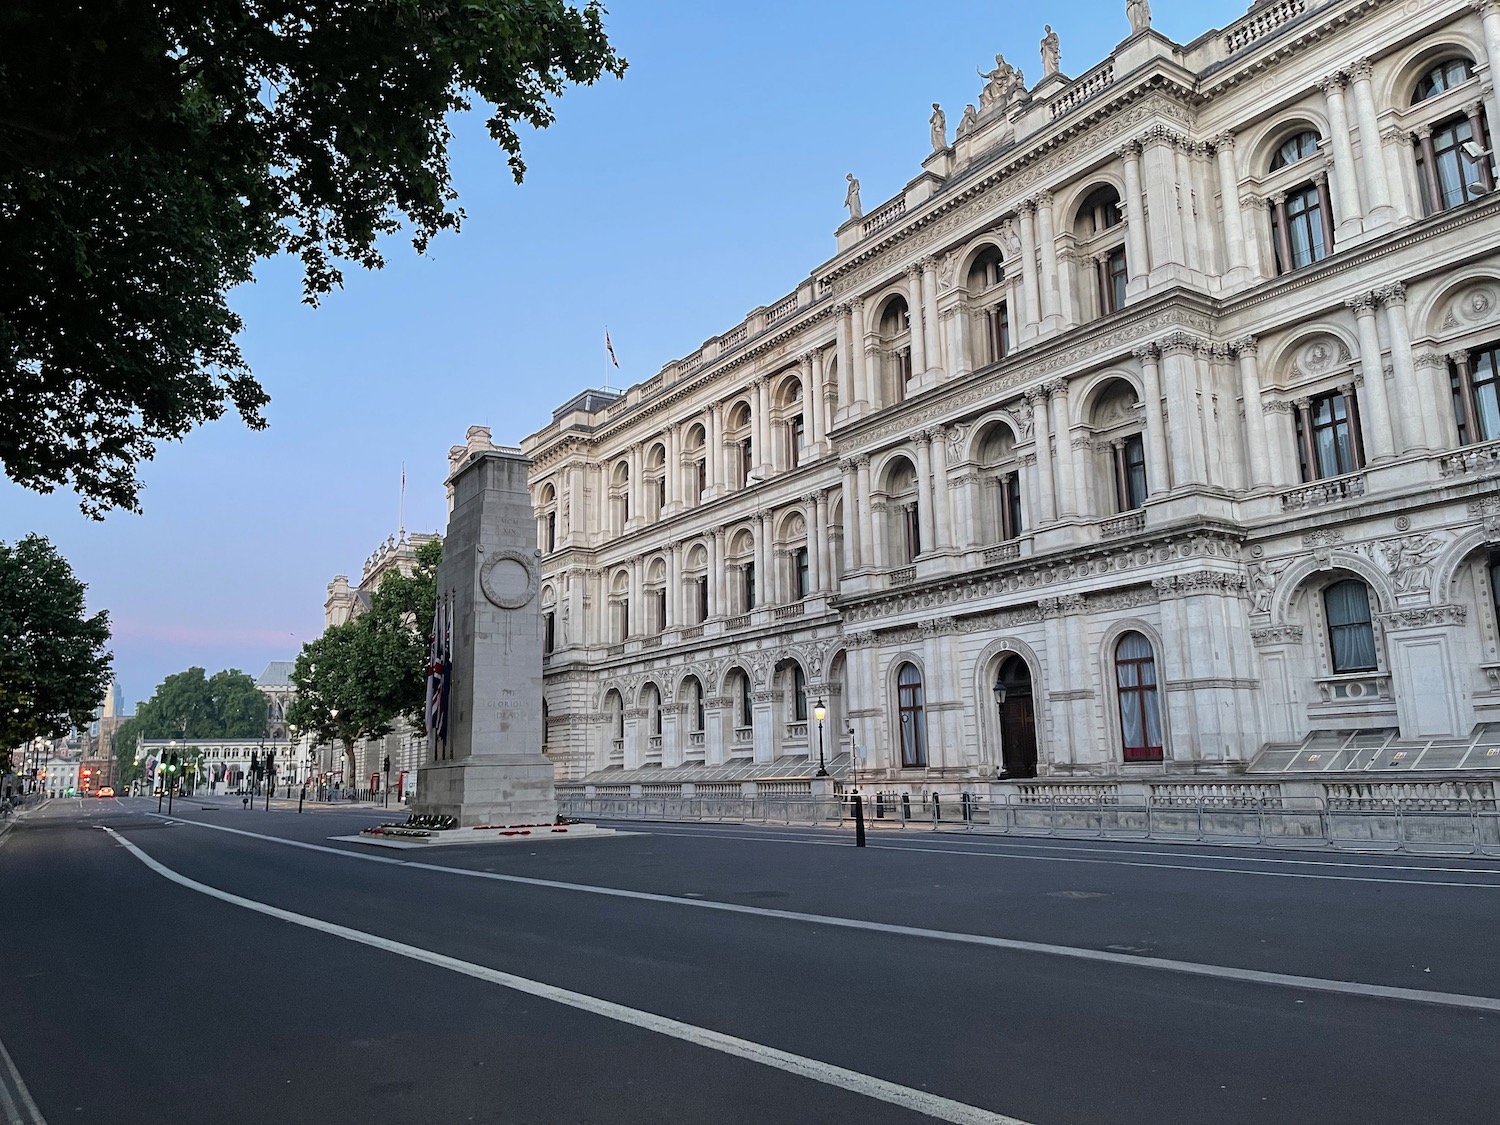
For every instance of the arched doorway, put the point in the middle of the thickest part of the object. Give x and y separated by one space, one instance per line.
1017 718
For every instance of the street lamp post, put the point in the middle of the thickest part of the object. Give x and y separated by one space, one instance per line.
820 713
1000 719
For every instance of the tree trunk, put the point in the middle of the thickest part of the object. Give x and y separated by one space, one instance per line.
351 767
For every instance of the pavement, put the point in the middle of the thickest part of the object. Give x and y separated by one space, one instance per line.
234 965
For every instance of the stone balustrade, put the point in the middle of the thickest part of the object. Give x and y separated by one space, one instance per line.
1261 22
1328 491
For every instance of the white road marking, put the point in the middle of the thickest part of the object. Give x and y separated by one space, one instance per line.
1082 953
1025 844
920 1101
20 1110
1035 858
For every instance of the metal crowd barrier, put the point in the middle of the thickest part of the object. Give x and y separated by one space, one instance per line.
1298 822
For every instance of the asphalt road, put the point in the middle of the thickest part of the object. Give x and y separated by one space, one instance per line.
172 971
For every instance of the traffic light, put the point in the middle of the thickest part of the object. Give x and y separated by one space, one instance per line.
268 763
386 768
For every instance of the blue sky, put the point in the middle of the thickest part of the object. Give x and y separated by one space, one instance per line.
667 205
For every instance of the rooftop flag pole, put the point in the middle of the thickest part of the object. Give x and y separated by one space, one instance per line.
609 349
401 508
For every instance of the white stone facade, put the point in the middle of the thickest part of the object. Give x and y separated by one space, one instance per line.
1164 395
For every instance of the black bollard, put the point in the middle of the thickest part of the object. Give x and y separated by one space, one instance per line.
905 807
859 822
937 809
879 806
301 796
245 802
967 816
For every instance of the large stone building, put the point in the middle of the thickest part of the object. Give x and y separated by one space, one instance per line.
1153 428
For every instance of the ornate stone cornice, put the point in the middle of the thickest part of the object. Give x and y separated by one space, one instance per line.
1425 617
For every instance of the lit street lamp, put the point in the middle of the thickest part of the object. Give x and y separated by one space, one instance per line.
820 713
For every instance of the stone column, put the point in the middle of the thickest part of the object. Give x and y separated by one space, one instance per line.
1157 478
1192 250
820 412
762 427
863 400
1256 442
1377 189
1047 243
941 502
1379 434
1030 296
968 533
637 598
1203 209
867 556
1164 217
822 547
1460 360
812 393
713 449
1435 384
1062 429
1137 258
676 619
1067 282
916 310
870 351
930 317
1345 177
716 573
1229 195
1278 419
636 493
1489 15
766 592
924 490
1475 111
1189 459
1395 145
852 540
673 466
848 393
960 338
1046 493
1418 422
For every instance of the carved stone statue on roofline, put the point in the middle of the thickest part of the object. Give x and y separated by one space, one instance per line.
1051 52
1139 14
939 123
851 197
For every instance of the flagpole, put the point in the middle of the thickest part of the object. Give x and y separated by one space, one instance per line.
401 508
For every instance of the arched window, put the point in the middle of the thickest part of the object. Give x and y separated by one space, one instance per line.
1100 240
746 702
1002 518
1442 78
651 701
895 344
1297 147
692 690
1118 425
1140 714
904 541
1351 633
987 289
799 694
911 718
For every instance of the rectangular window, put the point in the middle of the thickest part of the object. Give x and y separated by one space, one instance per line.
1325 437
1010 506
1130 473
797 432
913 528
660 597
747 706
1444 171
749 587
997 332
1114 279
903 366
548 633
800 562
661 493
551 531
747 461
702 584
799 696
1351 636
700 476
1476 395
1304 225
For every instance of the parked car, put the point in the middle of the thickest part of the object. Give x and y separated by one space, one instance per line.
106 791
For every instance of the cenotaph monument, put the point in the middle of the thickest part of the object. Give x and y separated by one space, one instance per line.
489 769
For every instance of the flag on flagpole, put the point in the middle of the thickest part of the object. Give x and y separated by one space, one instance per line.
437 675
610 348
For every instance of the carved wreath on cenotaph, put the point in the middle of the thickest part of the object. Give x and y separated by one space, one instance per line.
509 578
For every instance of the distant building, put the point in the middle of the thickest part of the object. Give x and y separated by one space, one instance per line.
275 683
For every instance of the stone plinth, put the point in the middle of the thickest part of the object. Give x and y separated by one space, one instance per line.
490 769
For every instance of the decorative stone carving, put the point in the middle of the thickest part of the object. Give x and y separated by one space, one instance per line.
1025 420
1139 14
1276 635
1425 617
1410 560
1263 578
938 123
967 123
1322 537
956 435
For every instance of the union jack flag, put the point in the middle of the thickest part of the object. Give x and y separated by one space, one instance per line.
439 673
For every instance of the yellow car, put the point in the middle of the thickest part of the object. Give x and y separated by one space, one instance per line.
106 792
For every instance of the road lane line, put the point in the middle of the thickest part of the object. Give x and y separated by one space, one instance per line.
1082 953
919 1101
20 1110
1026 855
1024 845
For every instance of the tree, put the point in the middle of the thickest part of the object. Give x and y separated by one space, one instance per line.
54 668
371 670
192 704
152 151
336 700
